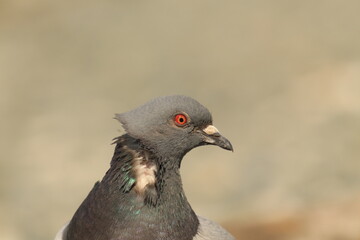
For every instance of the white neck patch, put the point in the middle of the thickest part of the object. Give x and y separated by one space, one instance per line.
144 173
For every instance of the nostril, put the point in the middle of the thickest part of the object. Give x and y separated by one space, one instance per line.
216 134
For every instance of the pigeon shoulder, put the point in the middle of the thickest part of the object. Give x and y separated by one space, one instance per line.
61 235
209 230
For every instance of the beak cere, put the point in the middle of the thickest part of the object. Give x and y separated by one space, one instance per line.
212 136
211 130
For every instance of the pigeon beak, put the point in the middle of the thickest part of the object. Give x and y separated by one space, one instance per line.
212 136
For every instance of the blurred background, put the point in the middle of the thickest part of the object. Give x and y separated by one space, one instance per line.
282 79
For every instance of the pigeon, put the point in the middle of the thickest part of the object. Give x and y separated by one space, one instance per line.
141 195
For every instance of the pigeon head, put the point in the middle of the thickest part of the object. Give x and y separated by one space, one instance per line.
172 125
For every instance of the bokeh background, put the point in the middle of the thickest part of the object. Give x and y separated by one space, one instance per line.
282 79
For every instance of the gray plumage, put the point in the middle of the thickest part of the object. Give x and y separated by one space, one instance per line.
141 195
208 230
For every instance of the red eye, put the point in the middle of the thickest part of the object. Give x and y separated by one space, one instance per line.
180 119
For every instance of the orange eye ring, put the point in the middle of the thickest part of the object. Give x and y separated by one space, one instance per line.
180 119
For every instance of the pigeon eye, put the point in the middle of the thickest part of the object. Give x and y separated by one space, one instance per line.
180 119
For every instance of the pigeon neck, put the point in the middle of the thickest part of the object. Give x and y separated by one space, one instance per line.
144 172
155 183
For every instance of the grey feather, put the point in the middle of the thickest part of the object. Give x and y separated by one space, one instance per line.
209 230
61 235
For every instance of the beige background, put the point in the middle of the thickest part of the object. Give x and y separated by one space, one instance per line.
282 79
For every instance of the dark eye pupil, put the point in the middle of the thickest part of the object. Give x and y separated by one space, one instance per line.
180 119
